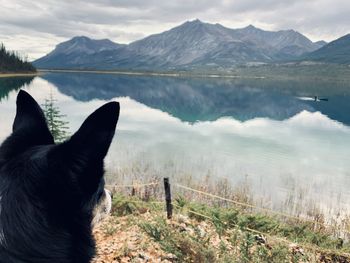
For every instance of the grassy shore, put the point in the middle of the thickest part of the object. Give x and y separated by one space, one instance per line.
25 74
324 72
143 73
138 231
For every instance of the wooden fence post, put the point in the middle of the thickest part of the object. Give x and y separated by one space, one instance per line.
169 206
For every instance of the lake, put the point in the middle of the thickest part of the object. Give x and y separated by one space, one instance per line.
269 133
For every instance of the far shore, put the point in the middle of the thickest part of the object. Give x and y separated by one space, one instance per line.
327 72
10 75
146 73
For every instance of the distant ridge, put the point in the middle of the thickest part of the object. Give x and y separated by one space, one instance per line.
69 54
337 51
193 44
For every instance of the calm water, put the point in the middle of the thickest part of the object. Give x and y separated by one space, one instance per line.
269 133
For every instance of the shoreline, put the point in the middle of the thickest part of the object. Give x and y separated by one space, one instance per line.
144 73
13 75
272 72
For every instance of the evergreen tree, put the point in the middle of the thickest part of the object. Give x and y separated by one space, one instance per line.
14 62
55 120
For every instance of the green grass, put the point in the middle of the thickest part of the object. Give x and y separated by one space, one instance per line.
236 243
295 231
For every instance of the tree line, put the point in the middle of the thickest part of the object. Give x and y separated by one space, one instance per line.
12 62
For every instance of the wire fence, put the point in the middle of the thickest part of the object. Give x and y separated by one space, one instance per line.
135 185
237 203
279 239
214 196
270 211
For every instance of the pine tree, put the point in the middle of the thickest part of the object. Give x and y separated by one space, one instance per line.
55 120
14 62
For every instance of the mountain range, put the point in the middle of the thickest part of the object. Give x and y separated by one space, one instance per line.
193 44
337 51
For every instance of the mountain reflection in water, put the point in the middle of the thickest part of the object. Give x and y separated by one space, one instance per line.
263 130
203 99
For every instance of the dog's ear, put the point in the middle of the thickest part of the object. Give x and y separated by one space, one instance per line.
94 137
30 120
29 128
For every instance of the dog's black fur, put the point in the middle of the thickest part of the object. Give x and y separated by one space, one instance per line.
47 191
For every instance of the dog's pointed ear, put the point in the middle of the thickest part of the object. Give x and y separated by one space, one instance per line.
30 121
29 128
80 159
94 137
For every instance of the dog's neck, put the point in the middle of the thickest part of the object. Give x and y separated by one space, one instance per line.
53 243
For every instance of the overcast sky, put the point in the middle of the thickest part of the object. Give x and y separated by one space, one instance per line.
35 27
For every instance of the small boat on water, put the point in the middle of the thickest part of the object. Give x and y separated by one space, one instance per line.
314 98
317 98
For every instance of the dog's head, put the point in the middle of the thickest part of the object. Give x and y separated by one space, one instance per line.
62 181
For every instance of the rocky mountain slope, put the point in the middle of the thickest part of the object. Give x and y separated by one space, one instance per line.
72 53
191 44
337 51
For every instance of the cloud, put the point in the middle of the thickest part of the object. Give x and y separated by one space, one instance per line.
36 27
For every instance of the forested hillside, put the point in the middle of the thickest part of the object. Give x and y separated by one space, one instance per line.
11 62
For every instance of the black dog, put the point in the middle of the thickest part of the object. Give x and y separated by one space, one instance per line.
48 192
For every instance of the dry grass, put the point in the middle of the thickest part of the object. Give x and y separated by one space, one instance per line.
9 75
295 203
139 232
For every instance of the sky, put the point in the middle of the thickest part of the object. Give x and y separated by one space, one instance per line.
34 28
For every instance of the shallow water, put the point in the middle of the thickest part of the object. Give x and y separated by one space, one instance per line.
272 134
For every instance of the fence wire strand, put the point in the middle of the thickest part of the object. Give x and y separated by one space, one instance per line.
260 208
279 239
136 185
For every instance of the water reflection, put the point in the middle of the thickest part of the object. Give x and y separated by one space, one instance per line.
9 84
257 129
201 99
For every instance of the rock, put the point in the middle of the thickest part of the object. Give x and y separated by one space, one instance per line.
201 232
296 249
260 239
170 257
183 219
143 256
182 227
